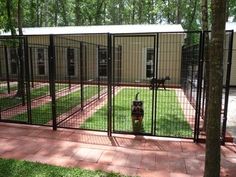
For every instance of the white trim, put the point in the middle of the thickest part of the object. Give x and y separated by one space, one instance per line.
102 29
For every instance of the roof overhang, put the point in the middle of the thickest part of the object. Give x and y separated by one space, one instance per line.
102 29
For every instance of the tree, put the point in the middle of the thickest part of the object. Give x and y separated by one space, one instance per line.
212 162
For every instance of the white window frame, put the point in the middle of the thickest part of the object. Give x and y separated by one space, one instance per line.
102 77
145 62
45 54
75 61
9 61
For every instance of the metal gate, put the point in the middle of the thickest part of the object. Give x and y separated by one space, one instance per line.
151 66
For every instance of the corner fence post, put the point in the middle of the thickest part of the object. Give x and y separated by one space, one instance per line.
109 91
27 79
52 76
199 87
227 85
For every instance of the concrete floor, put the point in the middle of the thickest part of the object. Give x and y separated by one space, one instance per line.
127 154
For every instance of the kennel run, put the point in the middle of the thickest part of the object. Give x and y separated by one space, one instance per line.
88 78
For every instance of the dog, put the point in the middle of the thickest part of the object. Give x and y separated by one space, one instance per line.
156 83
137 112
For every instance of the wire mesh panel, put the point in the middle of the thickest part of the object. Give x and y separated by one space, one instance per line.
39 70
133 63
81 65
12 87
226 62
177 76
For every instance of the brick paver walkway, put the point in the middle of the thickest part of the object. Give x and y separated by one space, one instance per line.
127 154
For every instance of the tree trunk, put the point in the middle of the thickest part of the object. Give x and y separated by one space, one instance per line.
64 14
77 12
212 162
204 8
20 75
56 13
98 12
178 12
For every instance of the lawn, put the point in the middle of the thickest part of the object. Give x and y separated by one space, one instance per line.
3 89
7 102
170 120
42 114
17 168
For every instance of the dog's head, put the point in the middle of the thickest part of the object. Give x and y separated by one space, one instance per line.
137 107
167 78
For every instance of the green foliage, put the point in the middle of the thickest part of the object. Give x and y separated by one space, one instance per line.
17 168
98 12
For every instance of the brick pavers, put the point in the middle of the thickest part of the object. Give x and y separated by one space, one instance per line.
127 154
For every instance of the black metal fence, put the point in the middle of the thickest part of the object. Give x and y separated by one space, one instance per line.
91 81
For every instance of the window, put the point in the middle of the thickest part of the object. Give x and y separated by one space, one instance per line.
71 62
13 61
41 67
150 63
102 62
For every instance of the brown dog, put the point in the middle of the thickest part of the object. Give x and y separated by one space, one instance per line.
137 112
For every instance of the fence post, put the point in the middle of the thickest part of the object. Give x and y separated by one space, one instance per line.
154 91
227 85
52 76
27 79
109 91
7 70
199 87
21 80
81 76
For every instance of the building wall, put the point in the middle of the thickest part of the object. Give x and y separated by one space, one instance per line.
133 56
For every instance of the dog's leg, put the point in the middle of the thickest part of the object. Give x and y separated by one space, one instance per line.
164 85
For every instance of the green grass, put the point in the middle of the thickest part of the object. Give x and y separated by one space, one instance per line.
17 168
3 89
170 117
43 114
7 102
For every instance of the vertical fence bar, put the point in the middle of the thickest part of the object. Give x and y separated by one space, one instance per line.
81 76
199 88
113 80
52 76
7 70
31 68
229 63
109 91
99 80
21 72
68 67
27 79
154 91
